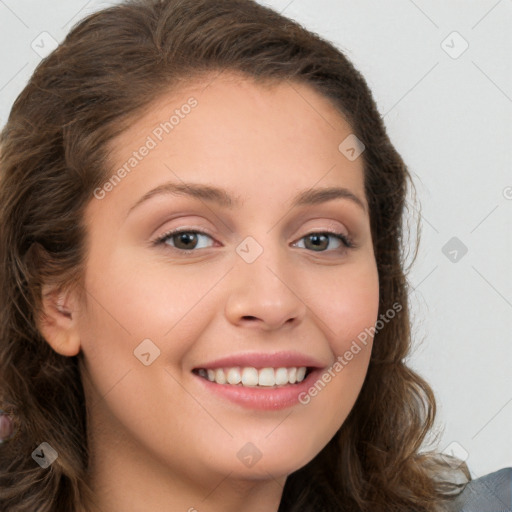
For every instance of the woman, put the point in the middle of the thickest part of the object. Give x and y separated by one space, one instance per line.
203 297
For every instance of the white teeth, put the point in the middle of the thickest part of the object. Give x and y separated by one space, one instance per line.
234 376
301 373
282 376
250 376
267 377
220 376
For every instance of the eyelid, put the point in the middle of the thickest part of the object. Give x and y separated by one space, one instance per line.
181 229
346 240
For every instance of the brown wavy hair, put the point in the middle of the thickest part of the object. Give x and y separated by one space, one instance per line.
110 67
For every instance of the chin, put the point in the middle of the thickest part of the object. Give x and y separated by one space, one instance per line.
269 469
272 462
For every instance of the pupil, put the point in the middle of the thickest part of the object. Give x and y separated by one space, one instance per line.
186 238
316 239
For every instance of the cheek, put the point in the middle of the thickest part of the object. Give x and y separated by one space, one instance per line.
130 301
146 299
348 312
347 306
347 303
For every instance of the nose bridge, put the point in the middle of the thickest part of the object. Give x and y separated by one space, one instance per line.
262 256
263 285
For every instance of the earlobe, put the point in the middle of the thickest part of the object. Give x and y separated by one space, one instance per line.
58 321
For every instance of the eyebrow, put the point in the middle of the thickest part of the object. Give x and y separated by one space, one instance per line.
222 198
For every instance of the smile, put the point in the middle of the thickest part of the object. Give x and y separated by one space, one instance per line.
252 377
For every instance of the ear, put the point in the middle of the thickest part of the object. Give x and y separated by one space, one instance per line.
58 322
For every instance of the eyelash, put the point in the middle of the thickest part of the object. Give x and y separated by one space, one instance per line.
344 239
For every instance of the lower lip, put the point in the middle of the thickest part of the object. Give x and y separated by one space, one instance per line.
267 399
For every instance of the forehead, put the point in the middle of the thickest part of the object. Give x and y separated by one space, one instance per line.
240 134
235 103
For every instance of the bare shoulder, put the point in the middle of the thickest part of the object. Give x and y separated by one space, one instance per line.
488 493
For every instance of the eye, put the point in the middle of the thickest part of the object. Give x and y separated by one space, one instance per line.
320 240
187 240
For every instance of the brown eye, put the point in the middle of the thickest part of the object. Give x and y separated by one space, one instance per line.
318 242
182 240
185 240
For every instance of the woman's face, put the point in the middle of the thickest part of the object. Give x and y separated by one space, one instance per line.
257 290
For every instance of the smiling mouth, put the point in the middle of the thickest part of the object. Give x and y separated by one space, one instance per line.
251 377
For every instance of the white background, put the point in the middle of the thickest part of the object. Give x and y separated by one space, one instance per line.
450 118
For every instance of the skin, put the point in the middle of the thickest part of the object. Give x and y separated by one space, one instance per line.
159 441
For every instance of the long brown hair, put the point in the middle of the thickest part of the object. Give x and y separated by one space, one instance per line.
54 155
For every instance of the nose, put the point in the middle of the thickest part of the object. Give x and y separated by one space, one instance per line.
265 293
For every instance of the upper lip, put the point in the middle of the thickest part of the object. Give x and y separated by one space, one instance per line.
263 360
